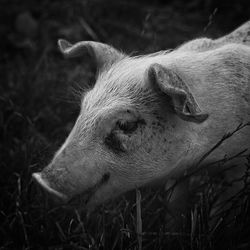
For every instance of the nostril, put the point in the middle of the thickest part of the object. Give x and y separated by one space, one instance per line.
44 184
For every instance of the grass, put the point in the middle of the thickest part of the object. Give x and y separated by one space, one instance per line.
38 109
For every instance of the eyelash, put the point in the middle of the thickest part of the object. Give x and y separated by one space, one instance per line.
127 127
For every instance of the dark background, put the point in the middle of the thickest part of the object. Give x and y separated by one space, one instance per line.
39 101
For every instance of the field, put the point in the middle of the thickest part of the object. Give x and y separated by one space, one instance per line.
39 102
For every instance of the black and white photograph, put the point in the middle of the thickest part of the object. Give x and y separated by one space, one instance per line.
124 125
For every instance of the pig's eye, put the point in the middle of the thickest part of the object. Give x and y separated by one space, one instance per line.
127 126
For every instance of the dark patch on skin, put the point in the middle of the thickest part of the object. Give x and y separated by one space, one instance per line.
173 126
113 143
160 118
105 178
158 125
142 122
149 150
246 39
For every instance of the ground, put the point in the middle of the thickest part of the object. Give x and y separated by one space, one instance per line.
39 102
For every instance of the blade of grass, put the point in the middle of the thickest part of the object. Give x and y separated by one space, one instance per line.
138 219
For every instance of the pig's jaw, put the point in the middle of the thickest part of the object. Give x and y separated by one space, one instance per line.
43 183
88 196
106 192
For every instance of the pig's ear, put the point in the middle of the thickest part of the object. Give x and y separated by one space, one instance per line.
104 54
171 84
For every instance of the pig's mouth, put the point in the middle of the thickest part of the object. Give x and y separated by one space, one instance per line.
85 196
44 184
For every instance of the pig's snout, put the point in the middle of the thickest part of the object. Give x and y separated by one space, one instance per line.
45 185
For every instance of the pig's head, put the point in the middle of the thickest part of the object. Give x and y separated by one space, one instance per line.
134 127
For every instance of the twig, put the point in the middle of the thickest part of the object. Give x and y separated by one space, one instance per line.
138 219
210 20
157 234
88 29
225 137
80 225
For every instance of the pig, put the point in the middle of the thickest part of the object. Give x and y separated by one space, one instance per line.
152 116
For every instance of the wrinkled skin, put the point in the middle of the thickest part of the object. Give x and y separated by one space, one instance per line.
152 116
